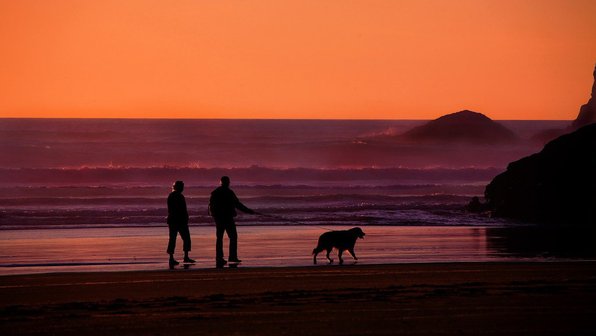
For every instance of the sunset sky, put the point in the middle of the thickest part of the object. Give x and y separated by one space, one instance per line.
344 59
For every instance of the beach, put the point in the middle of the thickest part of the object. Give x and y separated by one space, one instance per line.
494 298
83 234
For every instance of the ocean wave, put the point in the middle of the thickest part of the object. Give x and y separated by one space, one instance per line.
255 175
426 204
365 213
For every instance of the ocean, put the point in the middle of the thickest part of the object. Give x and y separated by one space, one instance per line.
60 175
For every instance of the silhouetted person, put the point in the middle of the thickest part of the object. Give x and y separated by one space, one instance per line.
178 222
222 207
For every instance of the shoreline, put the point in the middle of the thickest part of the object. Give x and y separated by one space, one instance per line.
474 298
126 249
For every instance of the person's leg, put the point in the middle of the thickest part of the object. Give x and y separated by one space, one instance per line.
173 233
219 232
233 235
185 234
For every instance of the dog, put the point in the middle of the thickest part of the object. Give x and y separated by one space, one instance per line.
341 240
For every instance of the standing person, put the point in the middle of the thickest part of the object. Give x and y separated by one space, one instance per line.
222 207
178 222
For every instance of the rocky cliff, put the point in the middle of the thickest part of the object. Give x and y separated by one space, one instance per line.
586 116
555 186
587 113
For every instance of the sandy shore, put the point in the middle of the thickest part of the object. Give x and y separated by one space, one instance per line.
404 299
142 249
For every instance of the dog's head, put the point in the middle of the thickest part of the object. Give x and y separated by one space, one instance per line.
357 232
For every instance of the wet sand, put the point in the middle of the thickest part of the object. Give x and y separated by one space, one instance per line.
541 298
140 249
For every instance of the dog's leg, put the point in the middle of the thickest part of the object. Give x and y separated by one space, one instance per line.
352 253
315 252
328 258
339 253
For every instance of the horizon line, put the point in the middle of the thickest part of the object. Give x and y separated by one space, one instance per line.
256 119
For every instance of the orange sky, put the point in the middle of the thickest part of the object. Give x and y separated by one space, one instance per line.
367 59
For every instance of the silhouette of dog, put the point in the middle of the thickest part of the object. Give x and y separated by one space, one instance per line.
341 240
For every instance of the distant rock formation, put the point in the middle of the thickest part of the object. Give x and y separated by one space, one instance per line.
587 113
554 186
464 126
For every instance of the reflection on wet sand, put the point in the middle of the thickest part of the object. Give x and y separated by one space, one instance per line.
542 242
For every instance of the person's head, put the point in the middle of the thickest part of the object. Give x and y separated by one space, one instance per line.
178 186
225 181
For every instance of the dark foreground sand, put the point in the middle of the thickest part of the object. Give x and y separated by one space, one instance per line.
413 299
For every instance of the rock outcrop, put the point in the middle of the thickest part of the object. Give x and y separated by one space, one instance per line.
555 186
587 113
464 126
586 116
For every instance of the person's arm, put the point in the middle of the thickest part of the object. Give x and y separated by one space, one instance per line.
209 210
184 209
241 206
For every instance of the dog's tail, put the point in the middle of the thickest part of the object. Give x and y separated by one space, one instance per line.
314 251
